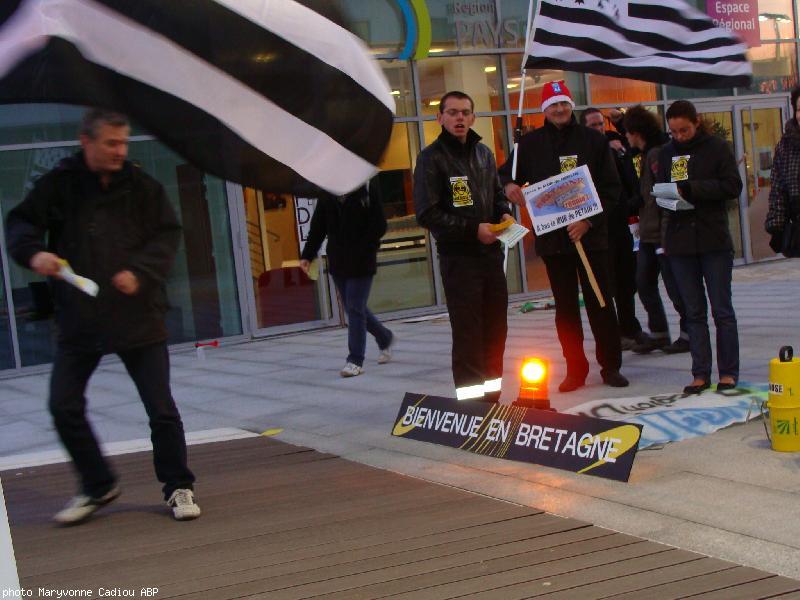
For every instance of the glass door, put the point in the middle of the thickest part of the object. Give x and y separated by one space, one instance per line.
761 131
283 296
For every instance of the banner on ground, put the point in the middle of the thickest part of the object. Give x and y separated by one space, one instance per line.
9 580
562 199
573 443
672 417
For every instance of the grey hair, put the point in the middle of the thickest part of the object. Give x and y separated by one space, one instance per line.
94 118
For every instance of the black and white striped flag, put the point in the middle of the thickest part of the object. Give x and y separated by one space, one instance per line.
664 41
268 93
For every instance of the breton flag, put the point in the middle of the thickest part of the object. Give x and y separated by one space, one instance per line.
267 93
664 41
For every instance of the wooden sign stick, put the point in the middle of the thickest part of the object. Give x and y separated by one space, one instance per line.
590 274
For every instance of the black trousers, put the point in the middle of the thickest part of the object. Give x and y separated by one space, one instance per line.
149 368
564 272
623 279
477 301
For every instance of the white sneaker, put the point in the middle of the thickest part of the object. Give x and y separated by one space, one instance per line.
386 354
82 507
351 370
184 508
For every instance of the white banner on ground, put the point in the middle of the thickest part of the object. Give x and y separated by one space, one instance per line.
9 580
673 417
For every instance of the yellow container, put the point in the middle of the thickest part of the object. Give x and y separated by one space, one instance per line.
784 401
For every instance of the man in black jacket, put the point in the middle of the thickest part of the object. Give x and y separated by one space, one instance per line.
559 146
457 197
112 224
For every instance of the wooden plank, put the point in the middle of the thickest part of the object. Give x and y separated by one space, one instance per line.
612 588
773 587
698 585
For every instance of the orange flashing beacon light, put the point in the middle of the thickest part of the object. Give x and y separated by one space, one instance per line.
533 384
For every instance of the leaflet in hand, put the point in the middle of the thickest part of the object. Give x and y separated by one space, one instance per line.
667 196
82 283
512 234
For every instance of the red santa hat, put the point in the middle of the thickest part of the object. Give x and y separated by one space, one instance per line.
555 91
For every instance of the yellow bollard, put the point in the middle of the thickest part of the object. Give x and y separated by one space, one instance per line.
784 401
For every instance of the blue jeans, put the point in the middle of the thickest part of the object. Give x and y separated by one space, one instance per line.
354 292
715 269
648 266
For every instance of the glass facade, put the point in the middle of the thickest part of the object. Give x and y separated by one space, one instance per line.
236 271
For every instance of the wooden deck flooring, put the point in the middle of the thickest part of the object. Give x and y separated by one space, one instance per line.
282 522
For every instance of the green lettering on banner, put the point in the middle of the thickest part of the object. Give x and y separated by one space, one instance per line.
576 443
9 579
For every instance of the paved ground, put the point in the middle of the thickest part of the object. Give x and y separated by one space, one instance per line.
727 495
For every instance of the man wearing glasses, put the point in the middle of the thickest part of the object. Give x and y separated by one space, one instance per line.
457 196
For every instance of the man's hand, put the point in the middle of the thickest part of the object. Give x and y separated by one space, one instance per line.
45 263
305 265
506 217
514 193
616 146
126 282
577 230
485 234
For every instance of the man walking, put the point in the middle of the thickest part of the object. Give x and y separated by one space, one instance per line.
559 146
113 224
457 196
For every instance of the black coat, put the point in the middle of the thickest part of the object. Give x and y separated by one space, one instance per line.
455 190
354 225
713 182
539 153
128 226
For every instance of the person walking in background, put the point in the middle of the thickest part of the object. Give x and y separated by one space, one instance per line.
354 225
559 146
646 135
622 258
698 242
114 225
784 195
457 196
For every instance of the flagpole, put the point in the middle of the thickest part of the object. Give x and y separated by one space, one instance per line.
518 124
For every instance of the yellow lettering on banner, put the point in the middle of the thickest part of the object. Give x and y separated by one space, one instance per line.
618 441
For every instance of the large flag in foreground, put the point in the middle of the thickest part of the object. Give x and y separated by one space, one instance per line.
268 93
665 41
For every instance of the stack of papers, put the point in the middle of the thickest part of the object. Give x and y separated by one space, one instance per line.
512 234
667 196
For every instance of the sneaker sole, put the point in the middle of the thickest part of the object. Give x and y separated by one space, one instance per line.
105 501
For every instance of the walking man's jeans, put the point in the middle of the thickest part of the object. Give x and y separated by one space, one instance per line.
354 293
149 368
649 264
715 269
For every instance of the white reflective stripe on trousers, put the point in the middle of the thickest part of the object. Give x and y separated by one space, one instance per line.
469 392
492 385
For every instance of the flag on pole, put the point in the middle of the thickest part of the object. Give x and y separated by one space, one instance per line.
267 93
664 41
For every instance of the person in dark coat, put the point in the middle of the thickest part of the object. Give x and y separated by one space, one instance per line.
559 146
698 242
114 225
784 195
354 225
622 257
646 135
457 196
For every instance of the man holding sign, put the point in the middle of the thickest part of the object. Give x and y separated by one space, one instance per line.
558 147
107 223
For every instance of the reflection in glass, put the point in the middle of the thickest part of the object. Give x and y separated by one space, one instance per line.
614 90
774 69
535 80
477 76
760 136
405 277
398 74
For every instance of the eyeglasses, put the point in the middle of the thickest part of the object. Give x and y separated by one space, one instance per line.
453 112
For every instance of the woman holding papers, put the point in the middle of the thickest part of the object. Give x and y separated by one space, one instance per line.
697 240
354 225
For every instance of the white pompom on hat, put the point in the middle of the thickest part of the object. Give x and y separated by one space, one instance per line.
555 91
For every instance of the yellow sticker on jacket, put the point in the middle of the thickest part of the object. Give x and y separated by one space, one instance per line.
680 168
462 196
568 162
637 165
